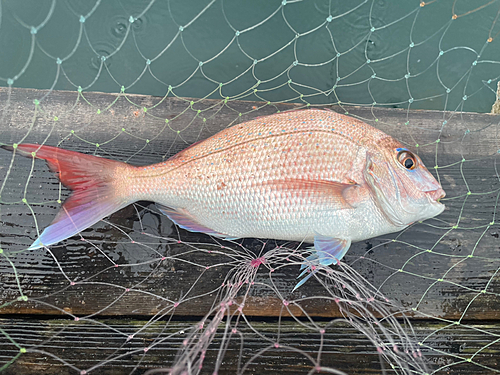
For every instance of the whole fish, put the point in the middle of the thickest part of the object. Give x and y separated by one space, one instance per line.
309 175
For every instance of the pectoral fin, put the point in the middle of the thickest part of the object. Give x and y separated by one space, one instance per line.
342 196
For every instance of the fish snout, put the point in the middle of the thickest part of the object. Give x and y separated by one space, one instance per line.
436 195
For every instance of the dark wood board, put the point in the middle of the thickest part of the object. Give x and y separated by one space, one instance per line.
63 347
441 283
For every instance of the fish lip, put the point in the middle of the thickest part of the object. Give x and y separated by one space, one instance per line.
435 195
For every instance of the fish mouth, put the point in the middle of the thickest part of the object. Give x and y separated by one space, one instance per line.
435 195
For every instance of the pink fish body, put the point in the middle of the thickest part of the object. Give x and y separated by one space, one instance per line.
310 175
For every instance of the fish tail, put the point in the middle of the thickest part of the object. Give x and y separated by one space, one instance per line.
95 194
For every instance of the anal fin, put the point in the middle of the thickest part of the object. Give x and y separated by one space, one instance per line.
183 219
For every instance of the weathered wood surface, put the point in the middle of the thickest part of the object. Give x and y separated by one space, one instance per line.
90 345
441 283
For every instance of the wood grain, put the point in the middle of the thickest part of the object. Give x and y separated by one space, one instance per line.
54 345
439 270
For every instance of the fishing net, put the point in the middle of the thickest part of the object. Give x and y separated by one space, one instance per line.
138 81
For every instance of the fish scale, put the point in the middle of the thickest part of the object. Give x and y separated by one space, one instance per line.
224 180
310 175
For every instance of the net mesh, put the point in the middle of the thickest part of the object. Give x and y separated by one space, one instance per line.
135 292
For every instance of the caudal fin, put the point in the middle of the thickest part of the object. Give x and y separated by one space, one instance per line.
94 195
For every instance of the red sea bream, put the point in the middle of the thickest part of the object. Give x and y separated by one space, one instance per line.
310 175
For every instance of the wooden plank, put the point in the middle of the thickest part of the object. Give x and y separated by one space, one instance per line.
101 347
443 282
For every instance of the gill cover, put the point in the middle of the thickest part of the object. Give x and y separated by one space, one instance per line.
382 182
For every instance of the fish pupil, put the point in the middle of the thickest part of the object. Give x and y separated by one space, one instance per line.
406 158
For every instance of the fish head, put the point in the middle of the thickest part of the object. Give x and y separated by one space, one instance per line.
403 188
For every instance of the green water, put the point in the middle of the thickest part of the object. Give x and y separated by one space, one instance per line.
384 52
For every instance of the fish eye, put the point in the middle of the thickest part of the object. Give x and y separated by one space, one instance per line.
407 159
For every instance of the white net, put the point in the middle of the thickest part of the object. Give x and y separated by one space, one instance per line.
134 293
